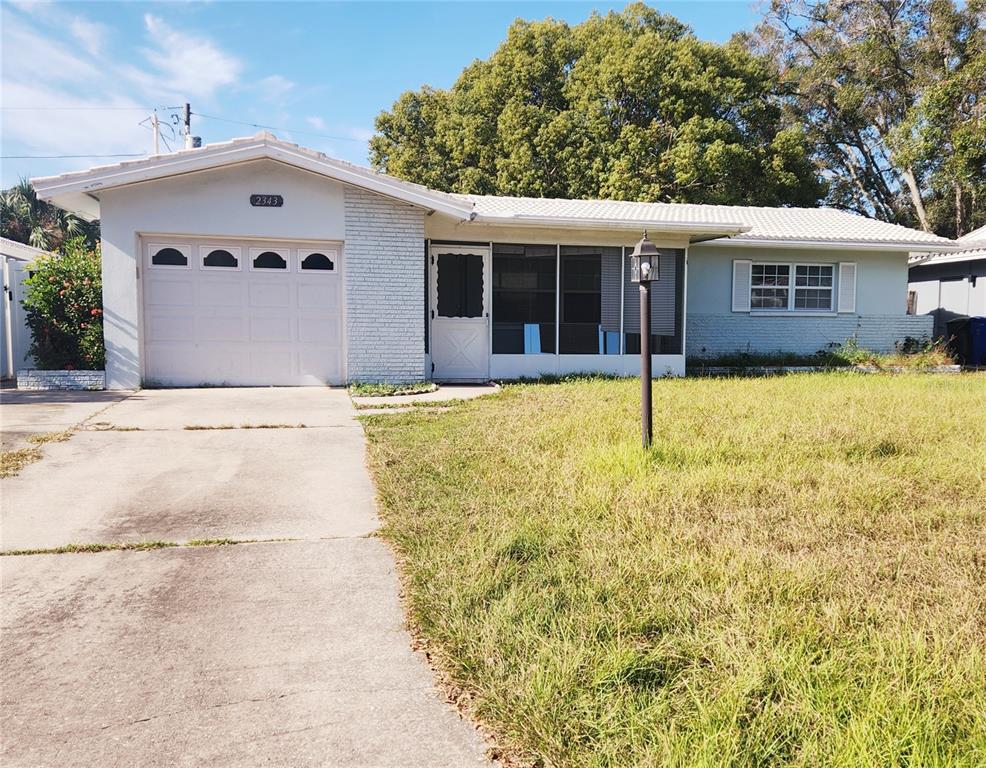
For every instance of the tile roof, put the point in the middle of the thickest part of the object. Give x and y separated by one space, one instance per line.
821 225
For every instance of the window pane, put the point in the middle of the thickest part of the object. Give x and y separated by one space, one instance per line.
580 330
169 257
270 260
220 258
813 298
317 261
771 274
460 285
768 298
523 299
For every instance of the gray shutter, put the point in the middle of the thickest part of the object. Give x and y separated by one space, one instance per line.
610 292
662 299
847 286
741 285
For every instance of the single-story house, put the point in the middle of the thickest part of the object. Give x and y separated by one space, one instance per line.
256 262
950 285
15 335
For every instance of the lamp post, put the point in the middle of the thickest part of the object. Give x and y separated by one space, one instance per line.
645 268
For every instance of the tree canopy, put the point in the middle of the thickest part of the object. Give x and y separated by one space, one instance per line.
27 219
892 97
628 105
875 106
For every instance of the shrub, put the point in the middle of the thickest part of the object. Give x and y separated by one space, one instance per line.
64 306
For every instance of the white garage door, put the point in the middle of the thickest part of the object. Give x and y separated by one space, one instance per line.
238 313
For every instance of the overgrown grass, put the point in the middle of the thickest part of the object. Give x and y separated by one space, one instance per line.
912 354
380 389
795 574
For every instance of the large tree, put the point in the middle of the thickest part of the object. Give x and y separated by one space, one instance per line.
628 105
27 219
892 95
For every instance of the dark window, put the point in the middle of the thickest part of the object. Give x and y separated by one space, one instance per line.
169 257
317 261
270 260
220 258
524 299
460 285
581 304
769 286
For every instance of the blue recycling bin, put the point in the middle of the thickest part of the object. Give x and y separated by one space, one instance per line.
977 341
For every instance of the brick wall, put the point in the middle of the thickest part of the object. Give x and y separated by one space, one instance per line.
708 335
39 379
384 288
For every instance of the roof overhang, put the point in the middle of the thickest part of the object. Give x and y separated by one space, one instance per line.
20 251
79 192
696 231
840 245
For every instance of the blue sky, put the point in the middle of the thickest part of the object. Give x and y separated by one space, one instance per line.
324 70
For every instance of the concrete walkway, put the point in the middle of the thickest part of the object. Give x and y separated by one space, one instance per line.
289 653
24 412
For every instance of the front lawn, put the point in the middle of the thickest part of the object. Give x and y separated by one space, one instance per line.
794 575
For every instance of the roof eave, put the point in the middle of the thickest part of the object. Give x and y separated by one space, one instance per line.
59 188
570 222
853 245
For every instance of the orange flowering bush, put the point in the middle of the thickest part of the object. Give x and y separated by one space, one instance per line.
64 306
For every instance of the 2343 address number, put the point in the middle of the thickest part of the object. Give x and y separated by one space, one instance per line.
266 201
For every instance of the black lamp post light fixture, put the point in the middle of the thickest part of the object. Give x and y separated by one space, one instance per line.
645 268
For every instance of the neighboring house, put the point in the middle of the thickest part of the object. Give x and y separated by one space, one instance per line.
951 285
15 336
257 262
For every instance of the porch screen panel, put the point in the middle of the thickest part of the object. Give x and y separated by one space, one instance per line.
584 300
524 293
666 302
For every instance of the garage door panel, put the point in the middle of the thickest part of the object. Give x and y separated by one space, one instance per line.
218 328
267 293
271 328
320 296
221 293
169 292
241 327
169 327
323 330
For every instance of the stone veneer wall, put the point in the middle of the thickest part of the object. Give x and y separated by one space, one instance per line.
384 289
37 379
709 335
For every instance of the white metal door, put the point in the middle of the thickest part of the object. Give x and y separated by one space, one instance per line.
241 313
460 313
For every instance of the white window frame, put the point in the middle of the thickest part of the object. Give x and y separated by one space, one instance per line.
284 253
331 253
183 248
205 250
792 287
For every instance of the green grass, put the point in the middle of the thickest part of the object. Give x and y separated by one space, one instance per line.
795 574
130 546
379 389
914 355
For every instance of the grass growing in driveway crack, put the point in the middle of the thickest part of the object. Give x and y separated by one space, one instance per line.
12 462
133 546
196 427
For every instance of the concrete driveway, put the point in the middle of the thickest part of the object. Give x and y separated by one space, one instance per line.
289 653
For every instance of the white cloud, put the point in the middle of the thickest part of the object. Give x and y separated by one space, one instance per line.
90 34
316 122
275 87
185 64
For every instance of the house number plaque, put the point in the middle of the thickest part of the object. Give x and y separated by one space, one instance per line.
266 201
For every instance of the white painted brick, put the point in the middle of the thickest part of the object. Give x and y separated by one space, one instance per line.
384 288
709 335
